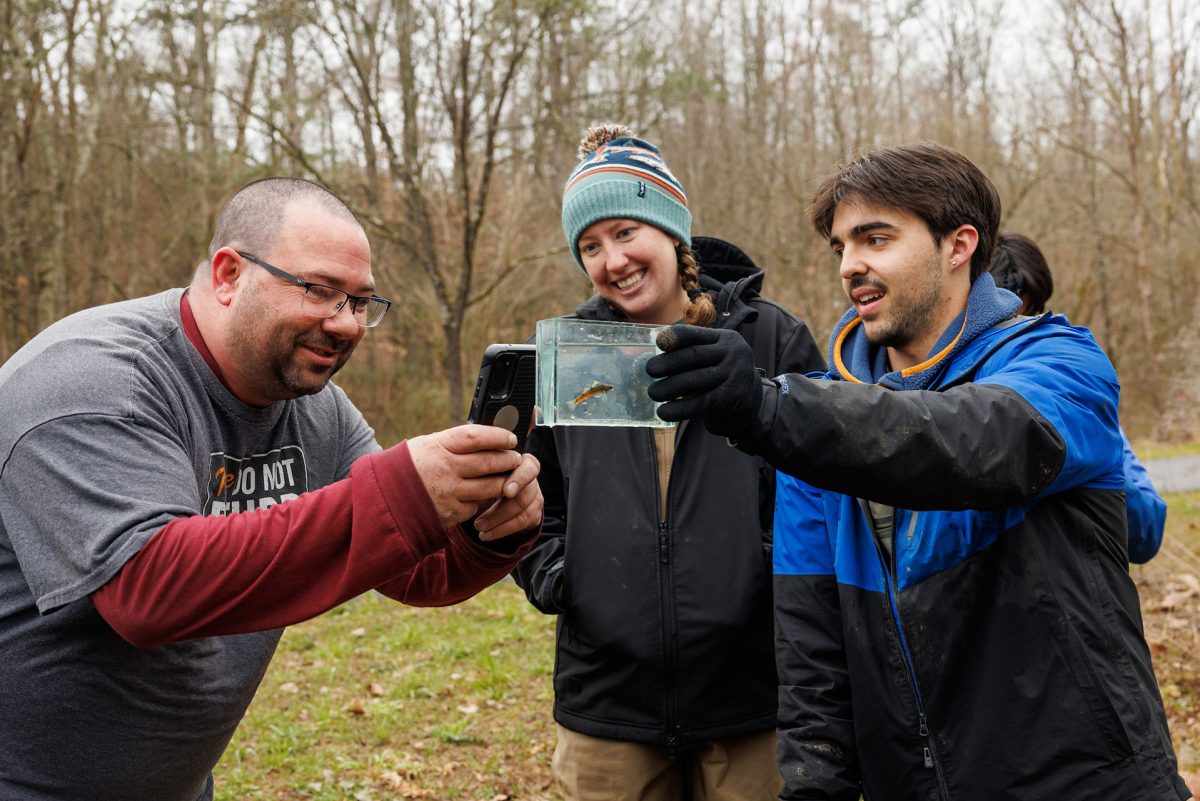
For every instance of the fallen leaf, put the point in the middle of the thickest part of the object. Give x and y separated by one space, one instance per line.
392 779
409 790
1172 601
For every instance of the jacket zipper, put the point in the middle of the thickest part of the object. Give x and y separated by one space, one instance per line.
887 564
668 617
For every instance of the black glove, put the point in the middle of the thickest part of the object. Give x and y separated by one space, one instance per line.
707 373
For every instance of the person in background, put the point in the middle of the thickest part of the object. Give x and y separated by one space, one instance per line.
179 480
656 548
1019 266
954 613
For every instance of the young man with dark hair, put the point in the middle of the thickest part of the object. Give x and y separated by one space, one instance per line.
954 615
179 480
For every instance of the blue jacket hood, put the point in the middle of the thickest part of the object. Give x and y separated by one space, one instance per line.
853 358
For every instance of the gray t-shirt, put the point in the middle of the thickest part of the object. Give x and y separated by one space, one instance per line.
112 426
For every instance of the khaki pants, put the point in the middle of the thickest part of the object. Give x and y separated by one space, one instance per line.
594 769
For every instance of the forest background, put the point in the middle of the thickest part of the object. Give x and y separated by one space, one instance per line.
450 126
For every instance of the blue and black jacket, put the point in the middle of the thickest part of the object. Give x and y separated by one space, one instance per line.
992 647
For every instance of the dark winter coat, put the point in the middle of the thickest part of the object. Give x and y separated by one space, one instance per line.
995 650
664 631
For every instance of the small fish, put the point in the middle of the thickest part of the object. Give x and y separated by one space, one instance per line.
595 390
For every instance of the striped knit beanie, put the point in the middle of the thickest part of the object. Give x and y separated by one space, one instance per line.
622 176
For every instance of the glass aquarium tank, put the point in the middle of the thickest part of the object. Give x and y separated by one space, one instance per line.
593 373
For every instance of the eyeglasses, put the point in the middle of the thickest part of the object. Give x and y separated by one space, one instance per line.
325 301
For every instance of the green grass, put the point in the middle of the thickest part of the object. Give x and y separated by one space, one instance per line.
375 700
1158 450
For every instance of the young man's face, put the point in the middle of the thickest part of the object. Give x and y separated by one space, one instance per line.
893 273
282 351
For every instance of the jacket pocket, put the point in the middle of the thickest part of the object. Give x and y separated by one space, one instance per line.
1080 649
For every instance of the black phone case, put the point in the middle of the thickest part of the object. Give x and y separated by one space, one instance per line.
507 377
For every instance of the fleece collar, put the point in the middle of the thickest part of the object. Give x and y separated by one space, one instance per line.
852 358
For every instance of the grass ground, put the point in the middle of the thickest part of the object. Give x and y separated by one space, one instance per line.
375 701
379 701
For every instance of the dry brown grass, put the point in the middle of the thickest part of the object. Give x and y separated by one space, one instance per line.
1170 588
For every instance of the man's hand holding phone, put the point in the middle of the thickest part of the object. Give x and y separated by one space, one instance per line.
520 509
473 467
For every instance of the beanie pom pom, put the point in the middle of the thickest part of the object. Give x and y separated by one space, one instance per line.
599 135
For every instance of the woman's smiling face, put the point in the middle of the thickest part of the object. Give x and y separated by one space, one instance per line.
633 266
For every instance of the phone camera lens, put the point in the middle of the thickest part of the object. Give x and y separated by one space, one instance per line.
500 386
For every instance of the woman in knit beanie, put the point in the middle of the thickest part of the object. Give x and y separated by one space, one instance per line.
655 549
622 203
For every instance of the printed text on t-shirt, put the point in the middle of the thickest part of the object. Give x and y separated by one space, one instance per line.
240 484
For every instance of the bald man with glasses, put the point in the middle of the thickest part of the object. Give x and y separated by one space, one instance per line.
179 480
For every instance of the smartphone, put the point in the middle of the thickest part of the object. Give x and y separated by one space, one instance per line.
504 392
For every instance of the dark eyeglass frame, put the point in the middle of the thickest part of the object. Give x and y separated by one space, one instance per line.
356 301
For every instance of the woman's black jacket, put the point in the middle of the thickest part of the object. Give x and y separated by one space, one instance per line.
665 625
